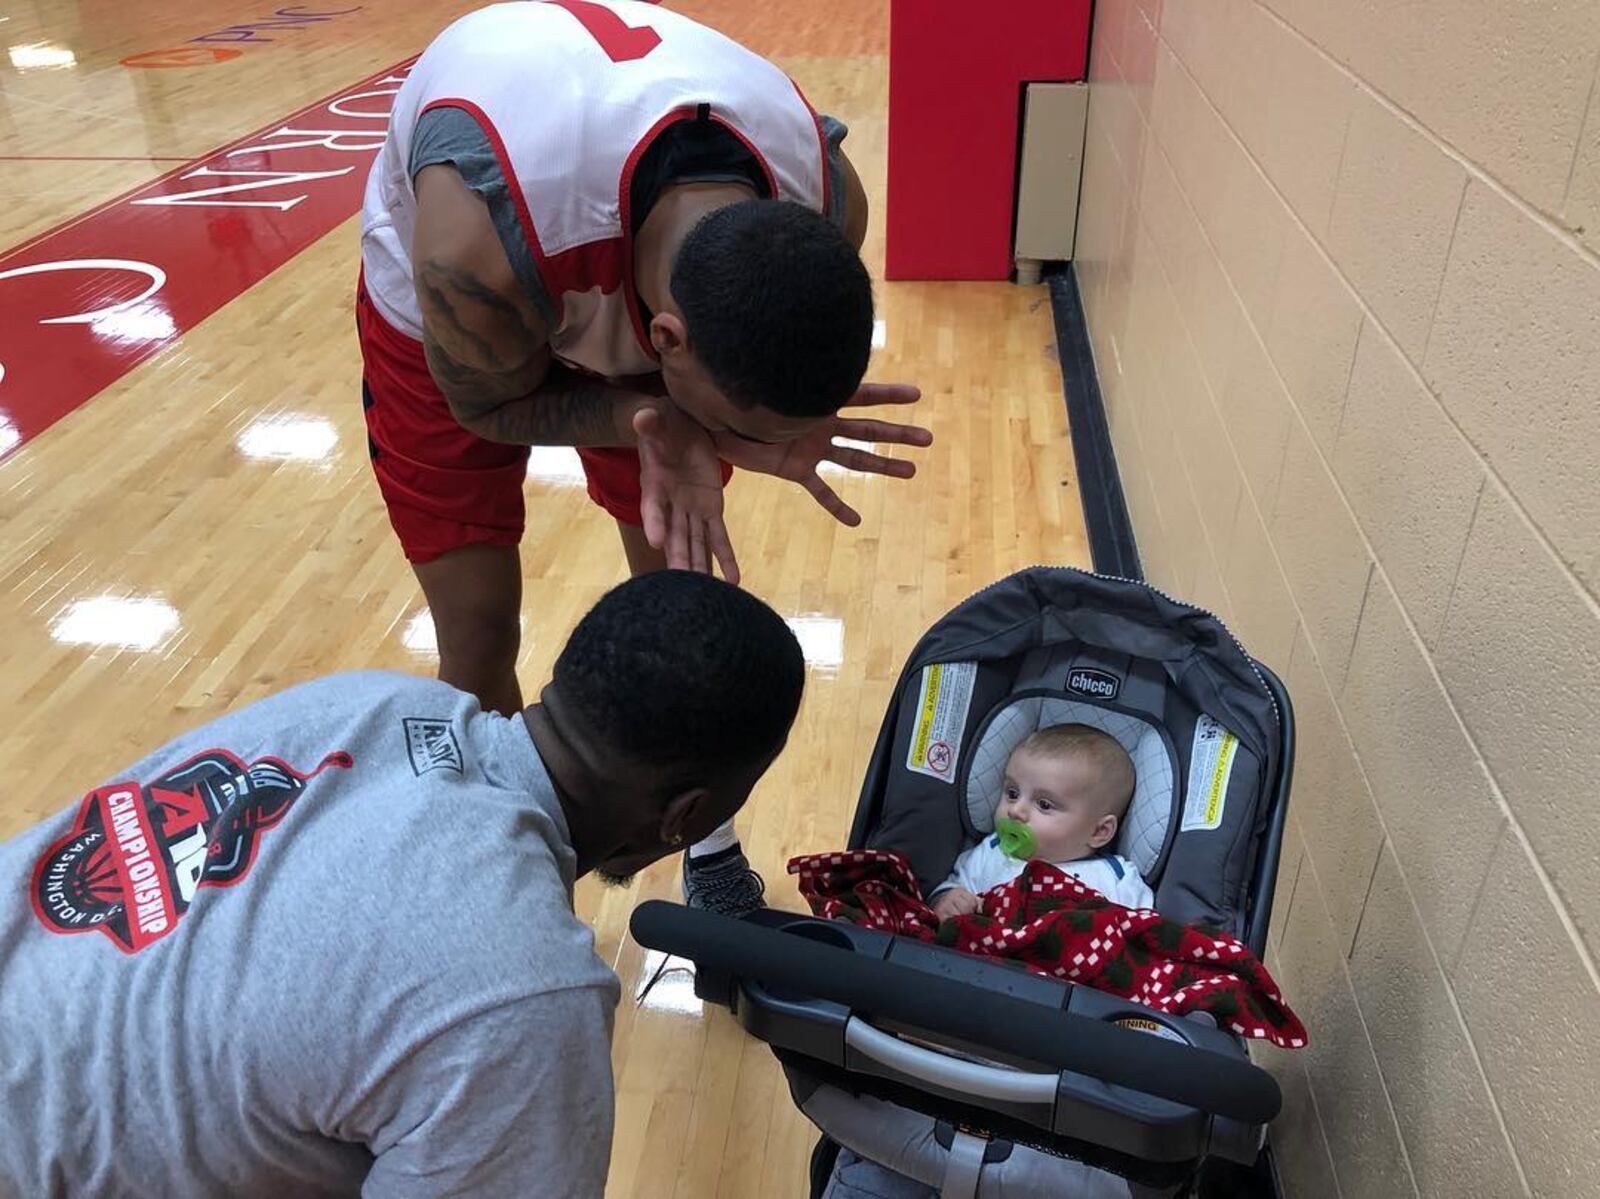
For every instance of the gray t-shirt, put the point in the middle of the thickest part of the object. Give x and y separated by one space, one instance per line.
322 946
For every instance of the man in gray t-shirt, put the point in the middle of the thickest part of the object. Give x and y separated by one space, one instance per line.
325 945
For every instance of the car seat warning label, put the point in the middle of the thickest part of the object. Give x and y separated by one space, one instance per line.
1210 768
941 719
1153 1027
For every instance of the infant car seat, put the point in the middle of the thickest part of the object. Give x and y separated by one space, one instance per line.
969 1077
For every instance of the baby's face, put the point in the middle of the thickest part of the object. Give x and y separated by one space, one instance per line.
1062 800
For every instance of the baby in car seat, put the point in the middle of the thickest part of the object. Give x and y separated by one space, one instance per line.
1065 793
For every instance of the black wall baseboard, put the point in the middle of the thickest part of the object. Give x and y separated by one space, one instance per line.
1111 542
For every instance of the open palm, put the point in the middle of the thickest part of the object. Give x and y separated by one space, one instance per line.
799 459
680 492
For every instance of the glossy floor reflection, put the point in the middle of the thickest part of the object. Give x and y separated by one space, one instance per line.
206 530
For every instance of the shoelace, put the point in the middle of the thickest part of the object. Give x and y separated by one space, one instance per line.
721 883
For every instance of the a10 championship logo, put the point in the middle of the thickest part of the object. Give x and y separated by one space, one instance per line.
137 854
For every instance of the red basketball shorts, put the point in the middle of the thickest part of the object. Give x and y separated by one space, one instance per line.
446 487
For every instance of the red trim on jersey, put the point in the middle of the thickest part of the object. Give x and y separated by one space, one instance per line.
822 145
624 204
513 185
766 167
600 264
624 198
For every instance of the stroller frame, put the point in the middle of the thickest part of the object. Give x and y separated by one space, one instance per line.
1000 1058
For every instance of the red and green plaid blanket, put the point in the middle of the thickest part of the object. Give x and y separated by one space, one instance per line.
1056 926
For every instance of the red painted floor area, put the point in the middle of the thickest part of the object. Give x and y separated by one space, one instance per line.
86 302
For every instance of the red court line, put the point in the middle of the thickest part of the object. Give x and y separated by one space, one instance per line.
84 303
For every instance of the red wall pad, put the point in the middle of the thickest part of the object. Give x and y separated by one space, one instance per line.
956 72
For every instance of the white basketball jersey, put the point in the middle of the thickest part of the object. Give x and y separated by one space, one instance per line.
571 93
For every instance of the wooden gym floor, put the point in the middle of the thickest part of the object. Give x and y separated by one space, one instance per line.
205 530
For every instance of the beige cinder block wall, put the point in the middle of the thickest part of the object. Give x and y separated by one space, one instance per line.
1341 263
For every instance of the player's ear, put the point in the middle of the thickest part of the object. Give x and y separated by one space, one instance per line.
685 810
668 334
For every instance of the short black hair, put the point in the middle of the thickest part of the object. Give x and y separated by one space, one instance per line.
778 306
677 668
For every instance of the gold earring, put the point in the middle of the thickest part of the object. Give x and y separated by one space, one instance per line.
677 838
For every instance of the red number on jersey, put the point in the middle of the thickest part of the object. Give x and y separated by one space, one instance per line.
620 41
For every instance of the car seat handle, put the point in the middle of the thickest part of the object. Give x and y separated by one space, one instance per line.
1006 1024
949 1073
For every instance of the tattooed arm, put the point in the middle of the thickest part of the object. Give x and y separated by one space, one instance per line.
489 351
487 346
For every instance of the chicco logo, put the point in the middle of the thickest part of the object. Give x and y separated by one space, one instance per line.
1094 682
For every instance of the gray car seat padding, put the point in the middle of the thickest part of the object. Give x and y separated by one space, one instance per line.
1143 832
903 1142
1158 660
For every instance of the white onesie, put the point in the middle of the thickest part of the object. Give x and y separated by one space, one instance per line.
983 865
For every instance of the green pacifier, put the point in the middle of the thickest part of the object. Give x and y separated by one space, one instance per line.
1016 839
